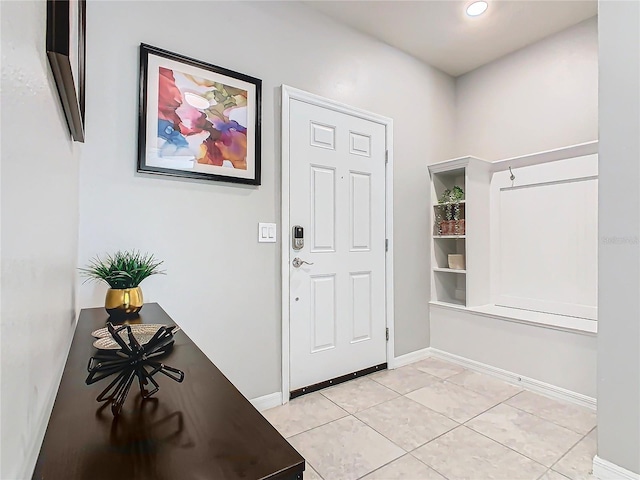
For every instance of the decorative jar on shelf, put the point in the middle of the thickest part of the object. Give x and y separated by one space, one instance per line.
455 261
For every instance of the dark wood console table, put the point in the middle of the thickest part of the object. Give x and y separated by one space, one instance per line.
200 429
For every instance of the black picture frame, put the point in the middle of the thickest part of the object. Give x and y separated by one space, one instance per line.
65 48
197 120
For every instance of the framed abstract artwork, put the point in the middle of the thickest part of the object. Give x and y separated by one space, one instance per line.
66 26
197 120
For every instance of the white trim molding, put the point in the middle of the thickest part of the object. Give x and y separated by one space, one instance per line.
605 470
288 94
516 379
266 402
452 164
410 357
578 150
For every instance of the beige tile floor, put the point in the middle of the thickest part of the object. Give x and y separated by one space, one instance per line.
434 420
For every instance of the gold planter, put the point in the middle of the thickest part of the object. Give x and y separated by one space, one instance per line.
123 302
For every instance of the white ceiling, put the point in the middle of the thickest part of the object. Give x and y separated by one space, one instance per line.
441 34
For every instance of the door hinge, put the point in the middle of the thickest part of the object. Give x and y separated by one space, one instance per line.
386 157
387 334
386 244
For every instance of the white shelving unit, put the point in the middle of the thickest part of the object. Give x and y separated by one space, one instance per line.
452 286
520 246
494 226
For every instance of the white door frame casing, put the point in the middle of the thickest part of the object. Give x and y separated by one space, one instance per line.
288 94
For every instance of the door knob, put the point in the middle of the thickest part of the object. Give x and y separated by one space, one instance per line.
297 262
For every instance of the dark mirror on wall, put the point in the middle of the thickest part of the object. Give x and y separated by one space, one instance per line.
66 25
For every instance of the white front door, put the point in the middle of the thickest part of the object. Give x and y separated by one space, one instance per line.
337 195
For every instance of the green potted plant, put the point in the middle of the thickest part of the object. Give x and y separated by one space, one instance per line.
450 203
123 272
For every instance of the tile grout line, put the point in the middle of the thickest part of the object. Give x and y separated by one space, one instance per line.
323 424
485 411
335 420
396 459
364 423
572 447
348 414
554 471
420 404
437 380
508 447
544 473
422 444
546 419
430 466
500 443
387 438
432 410
457 424
414 449
446 380
382 466
522 389
314 468
318 426
375 405
464 387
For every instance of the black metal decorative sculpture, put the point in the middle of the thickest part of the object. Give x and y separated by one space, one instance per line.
131 361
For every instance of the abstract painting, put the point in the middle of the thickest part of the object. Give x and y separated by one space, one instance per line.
197 120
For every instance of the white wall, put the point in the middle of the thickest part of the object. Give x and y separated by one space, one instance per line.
222 286
552 356
541 97
39 236
619 251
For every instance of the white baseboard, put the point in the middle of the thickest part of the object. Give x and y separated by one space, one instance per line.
605 470
408 358
520 380
266 402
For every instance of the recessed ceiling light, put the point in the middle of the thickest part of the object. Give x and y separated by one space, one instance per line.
477 8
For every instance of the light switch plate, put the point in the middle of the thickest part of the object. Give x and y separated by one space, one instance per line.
267 232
